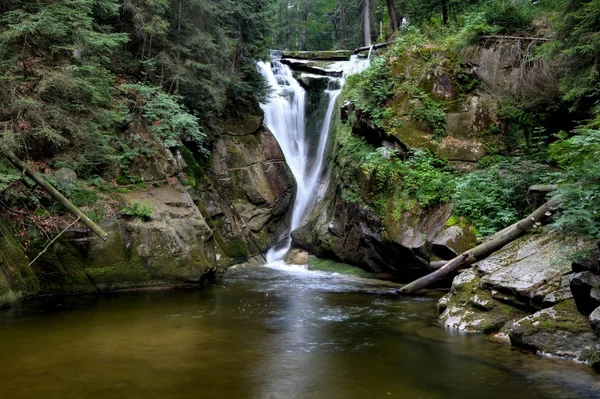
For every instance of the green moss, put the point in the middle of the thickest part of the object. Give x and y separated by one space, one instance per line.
14 265
194 170
233 247
326 265
591 357
566 318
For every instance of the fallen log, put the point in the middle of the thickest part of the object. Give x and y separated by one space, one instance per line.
437 264
303 67
374 47
502 37
493 244
56 194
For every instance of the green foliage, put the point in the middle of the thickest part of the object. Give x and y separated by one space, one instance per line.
370 90
495 195
425 109
53 59
577 46
138 210
580 188
421 181
168 119
509 15
427 181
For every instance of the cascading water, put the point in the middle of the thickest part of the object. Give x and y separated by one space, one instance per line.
285 116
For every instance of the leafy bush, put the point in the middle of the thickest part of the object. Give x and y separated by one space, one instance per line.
427 181
138 210
509 15
370 90
170 121
496 197
580 189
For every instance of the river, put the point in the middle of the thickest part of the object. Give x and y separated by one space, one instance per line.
265 333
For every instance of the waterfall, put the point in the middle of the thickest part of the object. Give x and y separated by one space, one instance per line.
285 116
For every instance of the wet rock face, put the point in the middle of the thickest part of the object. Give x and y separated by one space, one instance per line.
524 290
226 213
352 235
401 247
252 187
585 287
560 331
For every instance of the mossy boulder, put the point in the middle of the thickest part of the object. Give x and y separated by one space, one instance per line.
559 331
469 308
522 271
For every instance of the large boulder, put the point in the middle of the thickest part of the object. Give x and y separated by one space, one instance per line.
559 331
470 308
521 272
65 176
524 276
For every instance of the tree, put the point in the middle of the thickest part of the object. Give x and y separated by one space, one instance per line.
445 11
367 22
393 15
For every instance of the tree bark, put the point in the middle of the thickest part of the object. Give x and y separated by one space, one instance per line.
496 242
56 194
367 22
445 11
303 21
393 15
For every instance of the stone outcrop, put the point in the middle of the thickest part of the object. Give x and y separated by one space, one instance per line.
205 218
525 290
400 246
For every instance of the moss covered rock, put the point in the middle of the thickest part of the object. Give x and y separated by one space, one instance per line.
559 331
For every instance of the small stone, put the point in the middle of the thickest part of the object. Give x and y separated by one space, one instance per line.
481 303
298 257
581 287
442 304
65 176
595 320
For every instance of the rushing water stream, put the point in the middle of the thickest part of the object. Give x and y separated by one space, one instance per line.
285 116
267 333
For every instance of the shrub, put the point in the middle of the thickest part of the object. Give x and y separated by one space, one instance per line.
496 197
138 210
580 188
509 15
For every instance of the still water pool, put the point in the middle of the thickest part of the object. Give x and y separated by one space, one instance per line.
266 333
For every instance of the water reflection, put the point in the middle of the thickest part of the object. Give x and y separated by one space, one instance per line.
266 334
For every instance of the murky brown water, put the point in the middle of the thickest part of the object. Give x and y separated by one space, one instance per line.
265 334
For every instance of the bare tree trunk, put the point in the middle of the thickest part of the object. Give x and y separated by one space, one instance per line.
401 13
367 22
303 21
445 11
393 15
496 242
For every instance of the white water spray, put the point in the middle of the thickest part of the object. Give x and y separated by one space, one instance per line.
285 116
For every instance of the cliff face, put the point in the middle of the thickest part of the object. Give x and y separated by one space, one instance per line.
204 220
392 240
